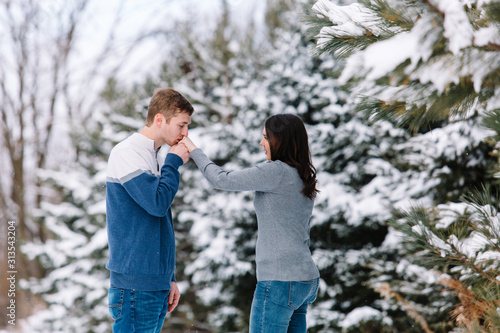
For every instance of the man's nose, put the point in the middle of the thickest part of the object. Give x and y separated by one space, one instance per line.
185 132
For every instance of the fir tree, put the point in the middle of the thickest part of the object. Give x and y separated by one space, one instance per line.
414 63
74 256
416 66
75 288
366 170
459 242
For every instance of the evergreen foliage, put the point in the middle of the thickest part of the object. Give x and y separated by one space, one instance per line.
459 242
364 170
430 67
369 172
414 62
73 213
76 253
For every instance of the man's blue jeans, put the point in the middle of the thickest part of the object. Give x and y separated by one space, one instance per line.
280 307
137 311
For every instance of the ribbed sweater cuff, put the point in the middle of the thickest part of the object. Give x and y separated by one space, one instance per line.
174 160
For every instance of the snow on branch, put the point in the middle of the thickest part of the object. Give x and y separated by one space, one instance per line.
352 20
425 61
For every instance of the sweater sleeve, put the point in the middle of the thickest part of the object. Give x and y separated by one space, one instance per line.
264 177
154 194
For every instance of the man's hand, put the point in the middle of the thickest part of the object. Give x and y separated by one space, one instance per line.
181 151
173 297
188 143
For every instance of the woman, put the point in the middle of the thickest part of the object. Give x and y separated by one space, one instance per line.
285 187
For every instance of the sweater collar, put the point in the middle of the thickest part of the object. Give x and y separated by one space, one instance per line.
145 142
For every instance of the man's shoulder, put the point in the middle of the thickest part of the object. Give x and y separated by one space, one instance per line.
127 157
128 146
127 143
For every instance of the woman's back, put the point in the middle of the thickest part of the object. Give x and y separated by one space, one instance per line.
285 188
283 215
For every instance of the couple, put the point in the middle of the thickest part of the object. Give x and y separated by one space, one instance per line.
141 188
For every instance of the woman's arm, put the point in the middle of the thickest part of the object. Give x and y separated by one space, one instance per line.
264 177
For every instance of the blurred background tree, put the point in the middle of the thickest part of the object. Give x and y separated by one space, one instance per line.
375 161
41 97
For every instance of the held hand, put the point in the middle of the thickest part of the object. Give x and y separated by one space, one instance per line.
188 143
181 151
173 297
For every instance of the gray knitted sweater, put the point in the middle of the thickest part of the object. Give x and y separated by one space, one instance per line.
283 215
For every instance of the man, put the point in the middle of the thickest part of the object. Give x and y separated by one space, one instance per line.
140 190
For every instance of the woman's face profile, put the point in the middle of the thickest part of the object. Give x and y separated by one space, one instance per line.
265 143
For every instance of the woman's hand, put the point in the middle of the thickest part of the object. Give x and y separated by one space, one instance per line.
188 143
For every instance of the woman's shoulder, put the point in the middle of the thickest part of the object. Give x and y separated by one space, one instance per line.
279 167
281 164
273 164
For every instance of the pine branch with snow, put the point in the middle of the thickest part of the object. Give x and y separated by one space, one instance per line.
461 241
74 256
491 120
478 308
432 66
414 62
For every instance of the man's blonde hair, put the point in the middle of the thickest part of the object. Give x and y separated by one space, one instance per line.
168 102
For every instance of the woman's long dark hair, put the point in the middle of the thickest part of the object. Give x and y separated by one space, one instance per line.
289 143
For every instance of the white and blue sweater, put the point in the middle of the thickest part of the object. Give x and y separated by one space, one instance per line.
140 190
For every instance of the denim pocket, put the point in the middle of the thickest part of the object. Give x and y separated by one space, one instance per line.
314 293
115 301
302 292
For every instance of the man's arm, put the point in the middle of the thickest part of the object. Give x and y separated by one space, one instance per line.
153 194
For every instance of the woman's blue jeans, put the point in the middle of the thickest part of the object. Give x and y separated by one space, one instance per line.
280 307
137 311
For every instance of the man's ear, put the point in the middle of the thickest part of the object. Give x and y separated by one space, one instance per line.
159 119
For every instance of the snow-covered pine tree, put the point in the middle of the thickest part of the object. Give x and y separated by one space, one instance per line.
230 117
461 239
429 67
76 252
359 167
73 213
348 155
414 63
210 71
